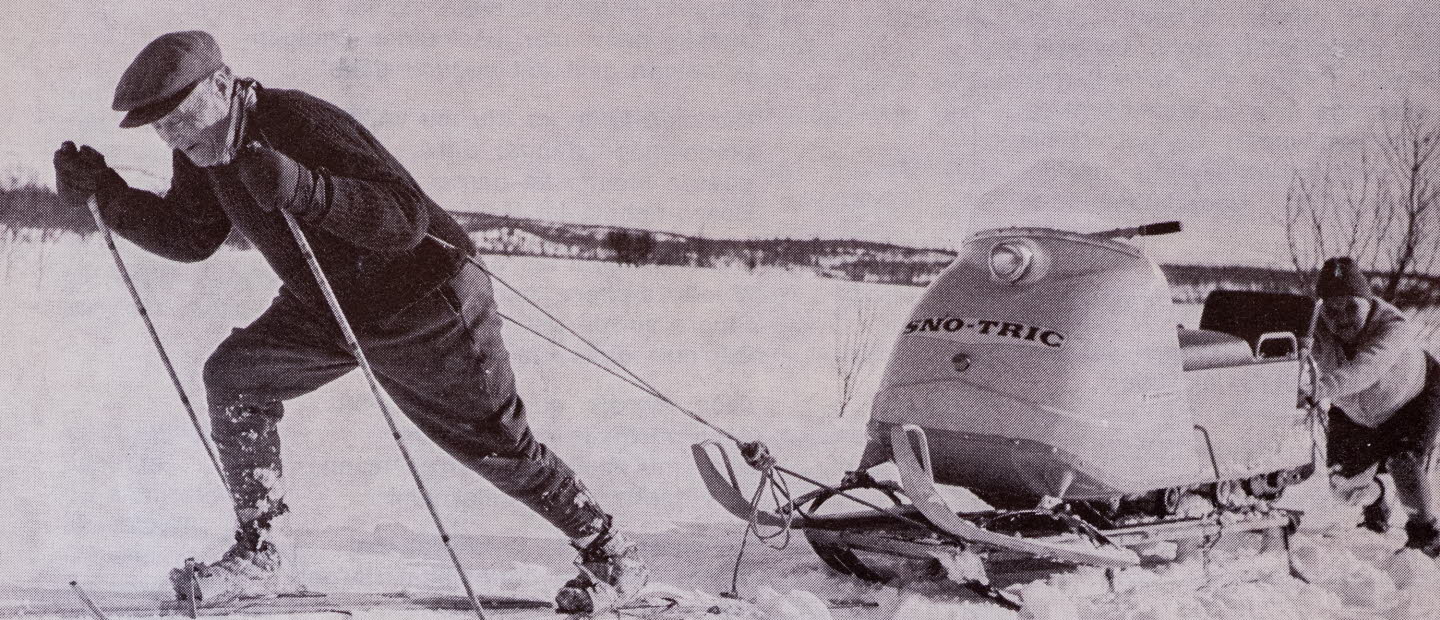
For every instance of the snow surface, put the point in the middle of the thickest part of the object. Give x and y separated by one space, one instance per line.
105 482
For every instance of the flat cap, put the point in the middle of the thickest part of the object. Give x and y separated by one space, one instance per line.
163 73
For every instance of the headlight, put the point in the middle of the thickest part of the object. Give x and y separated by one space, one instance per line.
1009 260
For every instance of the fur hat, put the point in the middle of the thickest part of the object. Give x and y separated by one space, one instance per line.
1340 277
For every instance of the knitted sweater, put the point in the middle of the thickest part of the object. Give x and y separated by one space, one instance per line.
367 219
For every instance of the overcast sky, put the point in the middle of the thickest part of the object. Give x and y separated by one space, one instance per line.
910 122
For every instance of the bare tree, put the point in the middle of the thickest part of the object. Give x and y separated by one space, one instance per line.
853 343
1376 202
1409 147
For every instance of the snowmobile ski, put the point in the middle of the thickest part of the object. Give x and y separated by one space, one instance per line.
918 484
725 488
912 457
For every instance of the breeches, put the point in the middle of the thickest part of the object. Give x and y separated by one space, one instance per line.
1405 445
441 360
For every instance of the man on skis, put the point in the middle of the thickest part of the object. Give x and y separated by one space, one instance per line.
1385 391
424 315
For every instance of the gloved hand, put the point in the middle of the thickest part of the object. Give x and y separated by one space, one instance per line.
275 180
80 173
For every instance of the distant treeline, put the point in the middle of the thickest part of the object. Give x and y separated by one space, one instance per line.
31 210
1192 283
849 259
28 205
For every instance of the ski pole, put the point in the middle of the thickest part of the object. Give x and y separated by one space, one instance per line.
89 604
93 203
193 586
354 344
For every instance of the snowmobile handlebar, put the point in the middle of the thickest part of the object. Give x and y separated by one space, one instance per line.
1148 230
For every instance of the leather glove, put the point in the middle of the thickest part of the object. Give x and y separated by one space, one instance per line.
81 173
275 180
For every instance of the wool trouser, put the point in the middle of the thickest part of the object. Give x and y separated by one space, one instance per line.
1405 445
441 360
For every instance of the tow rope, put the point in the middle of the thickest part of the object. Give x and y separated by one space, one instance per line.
757 455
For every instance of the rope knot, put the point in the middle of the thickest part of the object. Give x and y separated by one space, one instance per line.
757 455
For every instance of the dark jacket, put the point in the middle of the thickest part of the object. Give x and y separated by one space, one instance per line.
367 226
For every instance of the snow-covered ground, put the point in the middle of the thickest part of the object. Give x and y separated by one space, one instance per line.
104 480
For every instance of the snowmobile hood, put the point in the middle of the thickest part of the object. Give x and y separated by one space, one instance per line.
1043 338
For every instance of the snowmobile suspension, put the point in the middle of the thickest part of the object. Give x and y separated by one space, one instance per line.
354 344
93 203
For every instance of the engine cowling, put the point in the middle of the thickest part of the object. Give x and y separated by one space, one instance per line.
1044 361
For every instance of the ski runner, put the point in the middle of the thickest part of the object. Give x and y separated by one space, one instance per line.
425 317
1385 391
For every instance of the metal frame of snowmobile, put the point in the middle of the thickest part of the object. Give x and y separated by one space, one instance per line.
927 528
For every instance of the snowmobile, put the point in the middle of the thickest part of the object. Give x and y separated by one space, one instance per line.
1043 371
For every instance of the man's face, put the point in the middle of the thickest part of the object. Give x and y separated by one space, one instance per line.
198 126
1345 316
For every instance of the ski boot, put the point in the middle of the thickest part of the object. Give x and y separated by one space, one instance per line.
611 574
251 568
1376 516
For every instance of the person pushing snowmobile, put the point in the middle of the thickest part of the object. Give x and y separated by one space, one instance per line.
424 315
1385 391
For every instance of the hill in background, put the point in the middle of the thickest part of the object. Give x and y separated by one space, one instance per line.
850 259
32 212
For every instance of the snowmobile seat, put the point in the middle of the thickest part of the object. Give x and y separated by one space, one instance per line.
1201 349
1272 323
